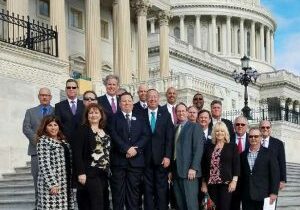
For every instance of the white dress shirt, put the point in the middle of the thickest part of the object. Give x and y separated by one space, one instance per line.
265 142
150 115
110 101
170 109
70 102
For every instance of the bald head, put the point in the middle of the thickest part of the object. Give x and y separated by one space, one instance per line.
142 92
171 95
44 96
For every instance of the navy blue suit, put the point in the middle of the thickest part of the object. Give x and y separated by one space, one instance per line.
138 109
105 104
127 172
159 146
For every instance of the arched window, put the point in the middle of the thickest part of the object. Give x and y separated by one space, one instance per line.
191 35
248 43
177 32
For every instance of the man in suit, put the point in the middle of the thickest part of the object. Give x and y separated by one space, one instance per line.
204 119
171 96
216 113
198 101
157 153
193 114
70 111
242 142
259 174
129 134
109 101
32 120
276 147
188 149
140 106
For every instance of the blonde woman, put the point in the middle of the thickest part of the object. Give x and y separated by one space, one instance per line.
221 167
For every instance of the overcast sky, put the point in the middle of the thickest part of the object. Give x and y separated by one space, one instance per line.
287 35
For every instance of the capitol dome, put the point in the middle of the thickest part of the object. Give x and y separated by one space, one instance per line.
227 28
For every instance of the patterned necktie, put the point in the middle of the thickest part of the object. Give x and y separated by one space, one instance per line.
264 143
73 107
174 115
44 111
144 106
152 121
128 121
240 146
113 105
176 139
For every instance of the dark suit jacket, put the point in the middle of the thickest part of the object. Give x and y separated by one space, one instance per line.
229 126
277 148
263 180
32 120
247 141
229 162
138 109
82 147
104 103
161 142
69 121
189 149
122 140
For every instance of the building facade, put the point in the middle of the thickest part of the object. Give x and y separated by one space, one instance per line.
193 45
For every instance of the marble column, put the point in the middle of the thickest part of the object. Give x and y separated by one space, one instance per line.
141 7
182 28
272 48
268 49
152 25
242 38
214 33
262 42
252 41
18 8
164 17
115 36
228 29
58 19
93 40
124 42
198 31
282 106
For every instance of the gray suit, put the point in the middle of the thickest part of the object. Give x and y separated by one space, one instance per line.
31 123
189 149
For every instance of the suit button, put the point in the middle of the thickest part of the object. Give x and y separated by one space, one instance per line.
129 139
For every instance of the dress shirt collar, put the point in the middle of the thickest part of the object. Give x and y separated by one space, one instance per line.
70 101
170 106
142 104
205 132
130 114
254 151
265 142
110 97
214 120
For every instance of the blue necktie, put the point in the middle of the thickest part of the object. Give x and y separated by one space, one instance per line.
152 121
44 111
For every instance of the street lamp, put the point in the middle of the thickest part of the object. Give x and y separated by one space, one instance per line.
245 78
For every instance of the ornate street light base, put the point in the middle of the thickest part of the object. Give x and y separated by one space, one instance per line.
246 112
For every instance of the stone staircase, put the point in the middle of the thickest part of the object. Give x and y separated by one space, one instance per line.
17 190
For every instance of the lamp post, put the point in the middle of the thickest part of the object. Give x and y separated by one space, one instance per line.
245 78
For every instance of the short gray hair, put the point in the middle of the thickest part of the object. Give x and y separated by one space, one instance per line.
111 76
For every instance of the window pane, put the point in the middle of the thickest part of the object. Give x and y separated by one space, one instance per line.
76 19
44 8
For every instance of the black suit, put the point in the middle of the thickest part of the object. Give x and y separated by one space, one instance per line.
138 109
105 104
229 126
69 121
259 183
277 148
159 146
127 172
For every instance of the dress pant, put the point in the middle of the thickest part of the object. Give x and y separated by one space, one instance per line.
156 187
91 195
220 195
252 205
125 187
34 173
236 197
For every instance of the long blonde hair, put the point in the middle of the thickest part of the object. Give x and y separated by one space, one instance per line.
219 126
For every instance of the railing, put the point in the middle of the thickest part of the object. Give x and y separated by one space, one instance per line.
28 33
258 114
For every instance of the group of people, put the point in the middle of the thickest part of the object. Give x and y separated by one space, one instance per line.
151 156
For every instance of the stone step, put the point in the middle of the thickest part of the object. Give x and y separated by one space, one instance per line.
17 204
23 169
289 193
16 188
17 181
19 175
18 195
289 201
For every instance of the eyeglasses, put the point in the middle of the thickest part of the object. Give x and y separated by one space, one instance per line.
195 99
44 95
70 87
254 136
265 127
240 124
89 99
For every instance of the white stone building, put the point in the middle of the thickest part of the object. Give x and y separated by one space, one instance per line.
193 45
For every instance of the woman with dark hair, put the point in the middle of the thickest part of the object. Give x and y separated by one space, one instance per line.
54 176
91 159
220 167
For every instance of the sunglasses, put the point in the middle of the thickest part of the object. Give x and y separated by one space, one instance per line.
70 87
265 127
89 99
240 124
254 136
195 99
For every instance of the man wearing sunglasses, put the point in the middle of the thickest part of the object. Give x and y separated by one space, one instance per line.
198 101
277 148
242 142
259 174
89 97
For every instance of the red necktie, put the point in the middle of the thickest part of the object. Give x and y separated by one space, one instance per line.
240 146
174 115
